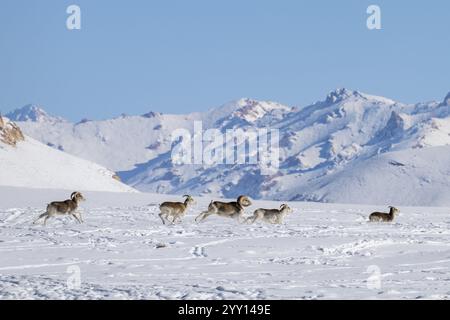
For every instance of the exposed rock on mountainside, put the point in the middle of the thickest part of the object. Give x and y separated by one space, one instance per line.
10 133
25 162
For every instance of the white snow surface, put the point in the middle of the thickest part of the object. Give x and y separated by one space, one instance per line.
322 251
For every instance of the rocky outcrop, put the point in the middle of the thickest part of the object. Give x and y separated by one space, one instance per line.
116 177
10 133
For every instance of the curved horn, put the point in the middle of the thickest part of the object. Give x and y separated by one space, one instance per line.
73 194
187 196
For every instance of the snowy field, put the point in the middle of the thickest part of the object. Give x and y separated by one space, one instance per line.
122 251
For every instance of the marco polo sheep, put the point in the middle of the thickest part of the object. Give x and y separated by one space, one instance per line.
226 209
274 216
383 216
176 210
67 207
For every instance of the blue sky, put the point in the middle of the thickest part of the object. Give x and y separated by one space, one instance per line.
181 56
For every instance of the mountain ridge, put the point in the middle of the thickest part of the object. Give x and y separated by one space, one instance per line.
332 137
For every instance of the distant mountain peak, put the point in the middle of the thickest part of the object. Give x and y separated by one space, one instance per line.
251 110
30 112
243 102
246 110
341 94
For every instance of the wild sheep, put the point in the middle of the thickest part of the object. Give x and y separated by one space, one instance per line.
274 216
226 209
176 210
68 207
384 217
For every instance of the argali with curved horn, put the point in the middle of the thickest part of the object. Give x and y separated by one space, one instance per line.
67 207
233 209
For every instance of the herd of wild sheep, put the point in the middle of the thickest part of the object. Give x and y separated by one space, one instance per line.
173 212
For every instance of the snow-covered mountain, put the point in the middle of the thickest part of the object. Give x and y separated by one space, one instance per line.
32 112
126 141
25 162
348 147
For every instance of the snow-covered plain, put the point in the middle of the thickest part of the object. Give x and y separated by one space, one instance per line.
323 251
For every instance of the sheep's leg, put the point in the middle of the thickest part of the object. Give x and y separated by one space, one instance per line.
40 217
252 219
171 221
161 215
202 216
45 220
76 217
177 219
81 218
